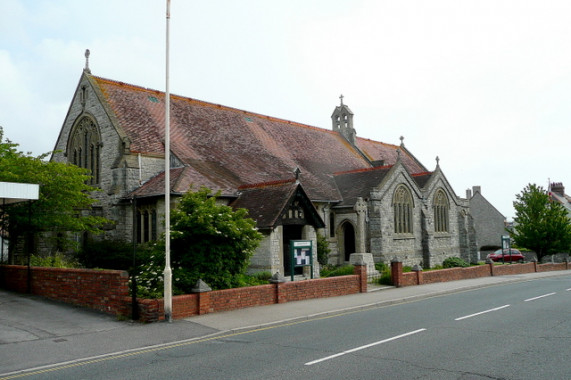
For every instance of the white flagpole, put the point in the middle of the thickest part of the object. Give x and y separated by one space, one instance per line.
167 274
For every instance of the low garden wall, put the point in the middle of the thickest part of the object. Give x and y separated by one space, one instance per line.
418 277
107 290
102 290
279 292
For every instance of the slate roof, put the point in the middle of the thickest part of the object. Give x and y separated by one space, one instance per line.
358 183
224 148
421 178
563 199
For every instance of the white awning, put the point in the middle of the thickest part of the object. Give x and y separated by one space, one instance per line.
11 192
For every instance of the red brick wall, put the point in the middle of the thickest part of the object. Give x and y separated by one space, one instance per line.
238 298
408 279
511 269
103 290
106 290
230 299
550 267
453 274
320 288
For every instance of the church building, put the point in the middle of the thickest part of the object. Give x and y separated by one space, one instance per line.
295 180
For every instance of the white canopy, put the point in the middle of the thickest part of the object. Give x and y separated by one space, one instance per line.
11 192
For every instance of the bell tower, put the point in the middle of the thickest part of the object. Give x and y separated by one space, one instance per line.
342 121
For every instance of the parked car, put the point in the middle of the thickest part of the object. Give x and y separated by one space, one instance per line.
506 255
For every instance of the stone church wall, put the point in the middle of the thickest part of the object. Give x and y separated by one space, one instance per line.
120 173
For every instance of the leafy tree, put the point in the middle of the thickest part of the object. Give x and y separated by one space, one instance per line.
211 241
64 195
541 224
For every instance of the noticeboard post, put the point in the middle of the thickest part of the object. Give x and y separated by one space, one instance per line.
301 254
506 245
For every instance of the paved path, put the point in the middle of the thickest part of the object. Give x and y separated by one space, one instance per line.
35 332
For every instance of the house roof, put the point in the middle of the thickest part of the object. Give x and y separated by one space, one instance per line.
224 148
563 199
267 214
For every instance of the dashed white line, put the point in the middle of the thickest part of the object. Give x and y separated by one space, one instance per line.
481 312
536 298
363 347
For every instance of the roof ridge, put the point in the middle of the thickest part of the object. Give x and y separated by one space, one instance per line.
266 184
421 173
364 170
215 105
378 142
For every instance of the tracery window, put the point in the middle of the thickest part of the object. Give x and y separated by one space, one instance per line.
402 209
440 207
83 149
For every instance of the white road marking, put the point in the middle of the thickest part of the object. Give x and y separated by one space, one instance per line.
481 312
535 298
364 347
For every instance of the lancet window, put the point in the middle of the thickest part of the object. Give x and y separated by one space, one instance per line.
402 209
440 207
84 148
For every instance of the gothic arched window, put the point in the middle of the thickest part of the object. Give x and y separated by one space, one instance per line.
440 208
83 148
146 224
402 209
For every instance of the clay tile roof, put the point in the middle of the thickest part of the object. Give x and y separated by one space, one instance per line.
376 150
225 148
254 199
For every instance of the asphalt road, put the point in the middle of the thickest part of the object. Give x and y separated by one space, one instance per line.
508 331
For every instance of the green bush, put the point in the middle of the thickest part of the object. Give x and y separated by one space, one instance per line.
58 260
259 278
385 271
149 274
454 262
333 271
108 254
210 241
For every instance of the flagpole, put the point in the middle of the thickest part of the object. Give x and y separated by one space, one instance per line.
167 274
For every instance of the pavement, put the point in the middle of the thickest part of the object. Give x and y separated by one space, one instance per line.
35 332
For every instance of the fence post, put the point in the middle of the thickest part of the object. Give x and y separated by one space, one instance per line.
534 261
278 280
418 269
396 272
361 271
490 262
203 292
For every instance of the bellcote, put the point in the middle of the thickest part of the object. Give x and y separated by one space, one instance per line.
342 121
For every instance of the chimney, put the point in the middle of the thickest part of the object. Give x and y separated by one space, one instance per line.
558 188
477 189
468 194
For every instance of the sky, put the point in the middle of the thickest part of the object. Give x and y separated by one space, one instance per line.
484 85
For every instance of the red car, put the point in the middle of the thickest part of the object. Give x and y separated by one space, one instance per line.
506 255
